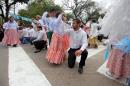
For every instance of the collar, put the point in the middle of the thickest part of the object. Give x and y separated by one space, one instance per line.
77 30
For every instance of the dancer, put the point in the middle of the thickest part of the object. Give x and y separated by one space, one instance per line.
78 44
41 41
49 22
93 42
58 46
11 36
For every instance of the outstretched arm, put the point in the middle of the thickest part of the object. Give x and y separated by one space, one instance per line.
44 16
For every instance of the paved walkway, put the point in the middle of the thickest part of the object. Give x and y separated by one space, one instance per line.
29 69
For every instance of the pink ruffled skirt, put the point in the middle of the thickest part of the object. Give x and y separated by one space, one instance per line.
56 52
11 37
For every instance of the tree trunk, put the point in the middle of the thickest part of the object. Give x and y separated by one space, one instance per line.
75 14
2 12
7 13
7 10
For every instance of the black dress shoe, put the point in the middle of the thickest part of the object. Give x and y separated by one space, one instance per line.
15 45
46 47
80 70
8 45
37 51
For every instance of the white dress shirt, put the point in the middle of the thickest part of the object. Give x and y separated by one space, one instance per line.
31 32
41 36
78 39
25 32
40 22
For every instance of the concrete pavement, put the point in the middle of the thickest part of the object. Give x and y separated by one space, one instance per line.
59 75
4 81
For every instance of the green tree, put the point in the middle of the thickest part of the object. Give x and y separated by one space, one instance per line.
7 5
69 16
83 9
38 7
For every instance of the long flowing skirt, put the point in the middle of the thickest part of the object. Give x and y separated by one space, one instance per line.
119 64
57 49
11 37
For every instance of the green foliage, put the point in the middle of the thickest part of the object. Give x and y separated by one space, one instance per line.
38 7
1 21
69 16
84 9
5 6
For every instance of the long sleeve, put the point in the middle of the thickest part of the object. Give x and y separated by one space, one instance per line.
44 16
58 25
68 31
45 20
53 24
45 37
31 32
41 36
84 42
59 19
61 27
12 25
34 26
5 25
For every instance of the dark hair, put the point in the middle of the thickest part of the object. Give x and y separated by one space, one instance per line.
98 27
20 28
94 21
39 27
11 17
82 26
52 10
31 26
77 21
57 14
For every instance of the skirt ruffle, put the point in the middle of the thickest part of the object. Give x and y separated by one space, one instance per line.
56 52
11 37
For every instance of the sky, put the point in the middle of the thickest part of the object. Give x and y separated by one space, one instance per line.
103 3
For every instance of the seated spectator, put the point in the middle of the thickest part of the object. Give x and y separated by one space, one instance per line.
29 35
25 36
32 34
20 31
41 41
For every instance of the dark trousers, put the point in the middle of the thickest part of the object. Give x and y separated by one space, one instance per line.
31 40
128 81
101 36
49 36
25 40
40 44
1 35
72 58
